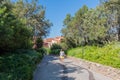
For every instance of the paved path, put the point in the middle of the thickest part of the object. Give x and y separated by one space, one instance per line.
52 69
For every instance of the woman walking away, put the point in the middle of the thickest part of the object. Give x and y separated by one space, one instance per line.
62 55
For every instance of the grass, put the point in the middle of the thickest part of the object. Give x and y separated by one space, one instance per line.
108 55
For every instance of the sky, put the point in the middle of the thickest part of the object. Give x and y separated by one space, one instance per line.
56 11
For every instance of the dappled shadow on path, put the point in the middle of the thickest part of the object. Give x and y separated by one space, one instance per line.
76 68
52 69
79 69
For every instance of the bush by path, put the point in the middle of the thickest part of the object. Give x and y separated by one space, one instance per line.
107 55
19 66
55 49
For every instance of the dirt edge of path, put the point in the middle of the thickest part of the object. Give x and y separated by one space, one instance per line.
105 70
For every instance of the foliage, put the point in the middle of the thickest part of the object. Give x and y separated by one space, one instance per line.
114 17
107 55
55 49
64 46
13 33
55 46
93 25
33 15
19 21
39 42
48 50
42 51
19 66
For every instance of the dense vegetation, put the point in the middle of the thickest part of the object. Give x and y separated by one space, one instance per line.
19 66
13 33
89 33
107 55
55 49
93 26
19 22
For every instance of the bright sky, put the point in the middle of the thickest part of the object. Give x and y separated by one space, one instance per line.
56 11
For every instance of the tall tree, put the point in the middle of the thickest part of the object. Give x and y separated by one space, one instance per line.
73 28
114 7
95 23
33 15
86 25
13 33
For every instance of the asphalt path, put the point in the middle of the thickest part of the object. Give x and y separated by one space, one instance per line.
51 68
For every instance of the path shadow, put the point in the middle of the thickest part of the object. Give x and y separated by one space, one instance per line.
79 69
50 70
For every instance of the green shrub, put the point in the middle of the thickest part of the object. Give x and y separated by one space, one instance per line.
55 49
48 50
55 46
64 46
14 34
42 51
19 66
107 55
39 42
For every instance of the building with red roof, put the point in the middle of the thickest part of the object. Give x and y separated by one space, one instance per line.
49 41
